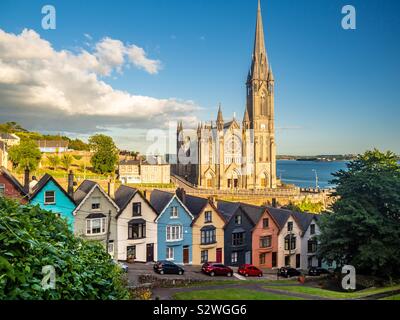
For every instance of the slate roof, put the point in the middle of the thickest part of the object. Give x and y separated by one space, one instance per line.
123 195
159 199
195 204
253 212
13 180
8 136
227 209
83 190
304 219
282 215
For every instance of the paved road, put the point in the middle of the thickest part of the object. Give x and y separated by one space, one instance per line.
191 273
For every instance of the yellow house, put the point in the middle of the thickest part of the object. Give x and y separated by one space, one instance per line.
207 229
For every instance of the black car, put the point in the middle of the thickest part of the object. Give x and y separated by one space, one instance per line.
288 272
167 267
316 271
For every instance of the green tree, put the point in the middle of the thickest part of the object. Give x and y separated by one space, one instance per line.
105 155
66 161
26 155
79 145
364 228
32 238
11 127
306 205
54 161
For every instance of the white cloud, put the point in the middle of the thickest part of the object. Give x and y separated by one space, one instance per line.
138 57
43 86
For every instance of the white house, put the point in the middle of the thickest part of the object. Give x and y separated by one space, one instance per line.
289 243
309 246
136 229
10 139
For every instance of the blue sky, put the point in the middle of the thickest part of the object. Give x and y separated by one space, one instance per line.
337 91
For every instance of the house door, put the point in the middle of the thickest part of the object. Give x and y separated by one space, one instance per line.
219 255
248 257
297 261
274 259
186 254
150 252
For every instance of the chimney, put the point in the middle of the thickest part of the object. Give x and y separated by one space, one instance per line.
26 180
213 200
70 184
111 188
181 193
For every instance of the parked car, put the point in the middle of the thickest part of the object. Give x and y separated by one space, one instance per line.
249 270
216 269
122 265
316 271
288 272
167 267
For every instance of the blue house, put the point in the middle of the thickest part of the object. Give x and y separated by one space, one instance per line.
174 231
50 196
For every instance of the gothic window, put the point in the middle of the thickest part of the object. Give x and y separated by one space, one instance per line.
263 104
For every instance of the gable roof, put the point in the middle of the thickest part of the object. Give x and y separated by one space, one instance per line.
281 216
8 136
84 191
125 194
12 180
197 204
43 182
253 212
228 209
160 200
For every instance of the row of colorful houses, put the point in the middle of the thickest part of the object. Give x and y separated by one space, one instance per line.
175 226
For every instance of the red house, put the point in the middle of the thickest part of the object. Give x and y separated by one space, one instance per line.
10 186
265 241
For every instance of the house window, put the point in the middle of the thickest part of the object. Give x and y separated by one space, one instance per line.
136 231
49 197
265 242
266 223
208 236
208 217
96 203
170 253
238 239
204 256
174 212
2 189
312 246
174 233
136 209
263 258
238 219
290 226
290 242
234 257
312 229
96 226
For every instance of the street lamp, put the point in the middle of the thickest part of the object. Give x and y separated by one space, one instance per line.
316 178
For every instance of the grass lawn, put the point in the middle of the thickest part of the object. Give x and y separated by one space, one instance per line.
395 297
333 294
230 294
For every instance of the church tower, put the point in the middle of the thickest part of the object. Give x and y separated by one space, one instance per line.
260 113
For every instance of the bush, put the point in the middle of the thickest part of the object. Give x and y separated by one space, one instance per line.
31 238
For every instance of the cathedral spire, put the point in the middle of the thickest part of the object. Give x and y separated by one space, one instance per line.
220 119
259 66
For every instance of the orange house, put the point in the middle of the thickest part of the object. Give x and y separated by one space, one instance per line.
265 242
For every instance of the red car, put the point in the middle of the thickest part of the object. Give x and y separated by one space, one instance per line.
249 270
216 269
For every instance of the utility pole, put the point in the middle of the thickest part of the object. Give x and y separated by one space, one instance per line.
316 178
108 229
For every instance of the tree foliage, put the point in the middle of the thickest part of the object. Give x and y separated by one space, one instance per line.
53 161
66 161
105 155
31 238
26 155
306 205
364 228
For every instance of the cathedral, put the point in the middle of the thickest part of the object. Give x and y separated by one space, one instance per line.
232 155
